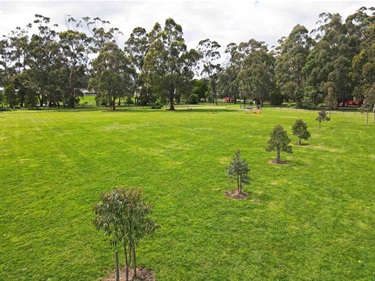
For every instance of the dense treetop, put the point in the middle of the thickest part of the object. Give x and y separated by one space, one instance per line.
332 64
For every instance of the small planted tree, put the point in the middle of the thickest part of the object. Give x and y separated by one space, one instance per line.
123 214
238 170
322 116
279 141
300 129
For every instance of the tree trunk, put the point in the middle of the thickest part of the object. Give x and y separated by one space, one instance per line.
172 104
126 263
238 184
113 102
299 141
278 156
134 262
71 101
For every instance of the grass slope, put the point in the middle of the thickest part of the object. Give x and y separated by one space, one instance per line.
312 219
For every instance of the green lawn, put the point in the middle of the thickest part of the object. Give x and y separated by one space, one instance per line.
312 219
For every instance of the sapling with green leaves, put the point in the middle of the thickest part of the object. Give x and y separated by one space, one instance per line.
279 141
124 215
238 170
322 116
300 129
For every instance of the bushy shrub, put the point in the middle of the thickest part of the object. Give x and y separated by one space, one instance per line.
193 99
156 106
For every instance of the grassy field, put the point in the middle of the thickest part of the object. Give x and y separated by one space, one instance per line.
312 219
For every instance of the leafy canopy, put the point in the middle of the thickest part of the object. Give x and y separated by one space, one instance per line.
279 141
300 129
238 170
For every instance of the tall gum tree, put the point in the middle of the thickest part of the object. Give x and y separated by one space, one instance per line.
112 74
291 57
136 48
210 54
74 47
43 60
257 77
168 66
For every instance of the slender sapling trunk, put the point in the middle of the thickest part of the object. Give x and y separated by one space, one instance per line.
126 263
134 262
278 155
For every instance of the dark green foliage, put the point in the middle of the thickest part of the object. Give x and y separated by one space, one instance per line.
113 74
279 141
276 98
124 215
193 99
238 170
200 89
168 65
322 116
300 129
209 55
10 96
311 97
293 51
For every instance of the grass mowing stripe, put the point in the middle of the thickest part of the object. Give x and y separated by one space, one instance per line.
309 219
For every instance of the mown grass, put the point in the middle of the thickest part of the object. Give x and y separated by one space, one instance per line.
312 219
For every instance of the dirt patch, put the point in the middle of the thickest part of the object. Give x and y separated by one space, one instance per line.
235 195
143 274
302 144
281 162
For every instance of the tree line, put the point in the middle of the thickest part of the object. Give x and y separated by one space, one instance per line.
332 64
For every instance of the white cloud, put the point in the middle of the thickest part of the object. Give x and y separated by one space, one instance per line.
223 21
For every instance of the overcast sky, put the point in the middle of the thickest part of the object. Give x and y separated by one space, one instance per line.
224 21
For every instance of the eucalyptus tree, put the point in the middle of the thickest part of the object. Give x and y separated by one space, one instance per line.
100 31
364 69
234 80
136 48
238 170
13 51
168 65
43 61
19 40
364 62
112 75
227 77
74 47
227 83
329 65
5 62
257 77
210 54
13 48
124 216
10 96
291 58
